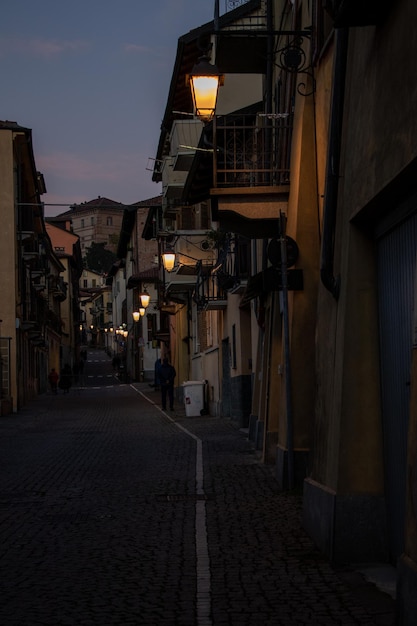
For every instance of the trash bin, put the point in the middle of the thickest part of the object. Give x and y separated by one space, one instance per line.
193 397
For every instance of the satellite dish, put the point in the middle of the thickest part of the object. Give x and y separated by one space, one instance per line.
205 245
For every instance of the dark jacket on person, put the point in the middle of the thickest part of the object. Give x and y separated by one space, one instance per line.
65 380
167 374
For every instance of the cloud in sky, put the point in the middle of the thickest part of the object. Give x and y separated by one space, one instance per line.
134 47
91 80
111 167
41 48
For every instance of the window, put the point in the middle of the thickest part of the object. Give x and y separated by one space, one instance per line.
82 223
85 283
94 282
92 221
109 221
151 325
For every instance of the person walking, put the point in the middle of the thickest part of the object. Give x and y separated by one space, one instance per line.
81 370
65 380
75 372
53 378
167 375
157 381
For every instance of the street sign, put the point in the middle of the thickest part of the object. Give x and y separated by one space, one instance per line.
274 252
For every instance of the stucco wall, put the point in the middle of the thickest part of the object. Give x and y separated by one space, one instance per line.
8 249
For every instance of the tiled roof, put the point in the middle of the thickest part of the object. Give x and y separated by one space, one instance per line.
7 125
149 275
97 203
157 201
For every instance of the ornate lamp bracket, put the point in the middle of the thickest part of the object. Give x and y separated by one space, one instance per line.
293 59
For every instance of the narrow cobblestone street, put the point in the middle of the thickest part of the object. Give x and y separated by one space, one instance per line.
116 513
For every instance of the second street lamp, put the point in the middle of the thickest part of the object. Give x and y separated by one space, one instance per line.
144 298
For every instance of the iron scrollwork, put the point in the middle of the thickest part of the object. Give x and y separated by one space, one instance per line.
233 4
292 58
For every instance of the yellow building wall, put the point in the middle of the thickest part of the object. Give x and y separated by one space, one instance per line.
8 263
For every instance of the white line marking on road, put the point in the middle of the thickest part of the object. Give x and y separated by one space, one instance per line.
201 540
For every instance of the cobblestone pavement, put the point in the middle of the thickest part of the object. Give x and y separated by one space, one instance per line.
98 522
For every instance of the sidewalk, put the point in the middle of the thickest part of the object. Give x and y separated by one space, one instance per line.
371 587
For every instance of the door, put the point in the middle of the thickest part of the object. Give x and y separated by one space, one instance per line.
396 276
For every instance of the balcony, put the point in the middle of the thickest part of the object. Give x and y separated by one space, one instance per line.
233 266
185 136
58 288
247 174
180 284
252 150
208 294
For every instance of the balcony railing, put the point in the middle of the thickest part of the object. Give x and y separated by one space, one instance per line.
233 266
59 288
252 150
208 294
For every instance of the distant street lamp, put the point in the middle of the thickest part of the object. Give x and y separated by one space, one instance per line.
144 298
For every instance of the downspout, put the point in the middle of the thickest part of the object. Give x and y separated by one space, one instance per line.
328 279
269 86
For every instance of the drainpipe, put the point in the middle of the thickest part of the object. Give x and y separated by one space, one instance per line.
287 357
216 15
328 279
269 87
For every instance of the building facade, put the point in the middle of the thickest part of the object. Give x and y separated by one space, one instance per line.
31 276
95 221
308 179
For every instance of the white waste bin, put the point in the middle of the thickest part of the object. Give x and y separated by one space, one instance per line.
193 397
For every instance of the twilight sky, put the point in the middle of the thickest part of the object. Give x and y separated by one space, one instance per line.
91 79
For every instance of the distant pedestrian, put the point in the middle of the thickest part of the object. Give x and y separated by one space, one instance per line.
157 377
65 380
53 380
75 371
167 375
81 370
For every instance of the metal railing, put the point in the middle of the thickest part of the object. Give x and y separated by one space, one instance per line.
252 150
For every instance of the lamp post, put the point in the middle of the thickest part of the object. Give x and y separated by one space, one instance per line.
138 316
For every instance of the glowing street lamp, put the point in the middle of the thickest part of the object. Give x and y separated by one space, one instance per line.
205 80
168 259
144 298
